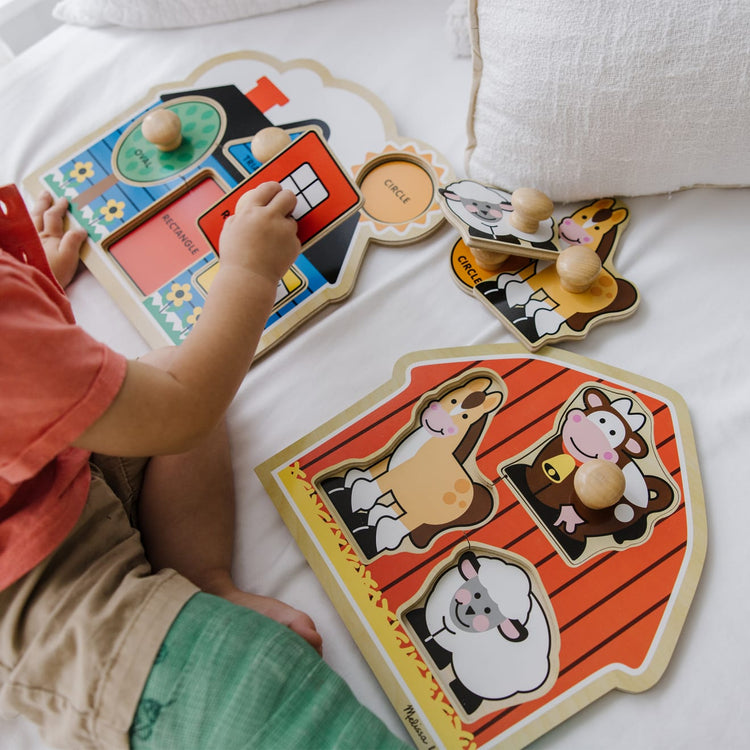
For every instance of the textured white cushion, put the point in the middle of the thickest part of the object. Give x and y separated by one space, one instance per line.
164 14
587 98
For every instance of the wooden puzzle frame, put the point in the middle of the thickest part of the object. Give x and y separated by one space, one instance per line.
166 314
614 617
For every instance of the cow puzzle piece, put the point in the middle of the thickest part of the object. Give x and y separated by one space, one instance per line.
596 424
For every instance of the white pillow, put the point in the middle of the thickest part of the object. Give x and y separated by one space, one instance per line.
164 14
590 98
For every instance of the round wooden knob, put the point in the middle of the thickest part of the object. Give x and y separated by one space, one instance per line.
599 484
268 142
488 260
578 267
530 206
163 128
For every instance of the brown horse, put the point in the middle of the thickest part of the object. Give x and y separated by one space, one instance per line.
423 486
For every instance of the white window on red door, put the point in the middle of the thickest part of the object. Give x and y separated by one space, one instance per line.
308 188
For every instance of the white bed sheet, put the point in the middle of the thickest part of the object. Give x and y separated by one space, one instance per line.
686 252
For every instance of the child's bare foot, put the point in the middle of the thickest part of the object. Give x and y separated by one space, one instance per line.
62 248
220 584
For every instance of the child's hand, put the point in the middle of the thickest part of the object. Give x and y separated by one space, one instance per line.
62 248
262 235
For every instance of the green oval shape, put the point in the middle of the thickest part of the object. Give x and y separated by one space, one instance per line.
141 162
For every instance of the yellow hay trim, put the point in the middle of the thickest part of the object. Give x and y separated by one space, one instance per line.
374 608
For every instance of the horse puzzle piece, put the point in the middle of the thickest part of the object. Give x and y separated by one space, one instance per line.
541 302
143 180
421 485
488 628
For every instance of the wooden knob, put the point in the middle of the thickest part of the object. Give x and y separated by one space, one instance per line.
530 206
268 142
163 128
599 484
578 267
488 260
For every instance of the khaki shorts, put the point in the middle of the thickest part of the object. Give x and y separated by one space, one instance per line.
79 633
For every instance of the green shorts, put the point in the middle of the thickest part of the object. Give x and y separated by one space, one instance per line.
228 678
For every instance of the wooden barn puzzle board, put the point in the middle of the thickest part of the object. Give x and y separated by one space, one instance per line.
140 206
426 496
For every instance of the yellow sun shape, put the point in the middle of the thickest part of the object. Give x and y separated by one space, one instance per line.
400 185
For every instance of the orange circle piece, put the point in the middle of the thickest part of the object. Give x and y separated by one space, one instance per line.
397 191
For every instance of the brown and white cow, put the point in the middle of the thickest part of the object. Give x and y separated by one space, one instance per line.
607 429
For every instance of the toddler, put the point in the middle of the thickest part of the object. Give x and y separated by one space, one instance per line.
120 624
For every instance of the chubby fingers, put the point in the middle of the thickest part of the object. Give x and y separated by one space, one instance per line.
71 243
285 202
267 194
48 214
303 626
257 197
41 204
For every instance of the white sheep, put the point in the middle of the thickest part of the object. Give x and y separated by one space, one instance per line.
485 211
483 618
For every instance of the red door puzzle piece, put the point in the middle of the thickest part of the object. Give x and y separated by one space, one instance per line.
325 193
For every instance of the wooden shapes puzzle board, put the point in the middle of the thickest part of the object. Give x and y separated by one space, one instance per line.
140 204
442 516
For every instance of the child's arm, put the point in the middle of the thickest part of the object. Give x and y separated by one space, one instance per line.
168 404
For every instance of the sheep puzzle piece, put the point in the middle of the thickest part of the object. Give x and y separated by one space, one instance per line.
492 592
549 280
153 187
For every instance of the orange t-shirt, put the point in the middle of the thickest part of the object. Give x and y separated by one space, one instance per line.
55 381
